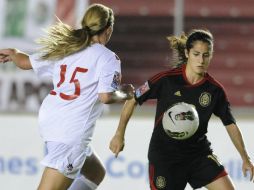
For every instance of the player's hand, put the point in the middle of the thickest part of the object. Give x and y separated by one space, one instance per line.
116 144
5 55
248 167
127 89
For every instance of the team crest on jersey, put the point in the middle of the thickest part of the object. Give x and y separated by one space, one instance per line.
160 182
205 99
116 80
142 89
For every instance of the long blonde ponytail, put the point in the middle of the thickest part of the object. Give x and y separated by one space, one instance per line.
178 46
63 40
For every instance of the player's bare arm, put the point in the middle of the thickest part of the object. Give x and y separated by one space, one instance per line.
237 139
21 59
117 142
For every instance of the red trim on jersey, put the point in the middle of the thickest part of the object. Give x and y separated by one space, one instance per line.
151 176
165 73
216 83
158 120
222 174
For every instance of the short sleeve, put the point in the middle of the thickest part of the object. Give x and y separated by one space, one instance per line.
41 68
223 109
110 75
149 90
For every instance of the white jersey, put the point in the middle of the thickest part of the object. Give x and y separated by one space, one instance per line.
68 114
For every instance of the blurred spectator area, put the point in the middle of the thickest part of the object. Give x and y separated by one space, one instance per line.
140 41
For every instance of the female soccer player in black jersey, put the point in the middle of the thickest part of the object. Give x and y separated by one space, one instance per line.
174 163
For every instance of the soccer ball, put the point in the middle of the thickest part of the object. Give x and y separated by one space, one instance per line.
180 121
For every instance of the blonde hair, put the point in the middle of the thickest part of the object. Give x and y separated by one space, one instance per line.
184 42
63 40
178 46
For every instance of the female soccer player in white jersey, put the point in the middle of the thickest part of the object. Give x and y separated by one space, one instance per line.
85 75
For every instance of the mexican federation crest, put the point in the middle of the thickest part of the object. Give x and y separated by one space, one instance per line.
160 182
205 99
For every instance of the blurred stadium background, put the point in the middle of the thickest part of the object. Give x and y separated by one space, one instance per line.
139 39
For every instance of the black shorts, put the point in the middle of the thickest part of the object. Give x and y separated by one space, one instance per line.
197 172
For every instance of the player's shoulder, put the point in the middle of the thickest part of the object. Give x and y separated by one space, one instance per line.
165 74
214 82
102 50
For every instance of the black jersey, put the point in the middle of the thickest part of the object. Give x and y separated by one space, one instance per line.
171 87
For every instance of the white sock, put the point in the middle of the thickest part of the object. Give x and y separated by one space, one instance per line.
81 183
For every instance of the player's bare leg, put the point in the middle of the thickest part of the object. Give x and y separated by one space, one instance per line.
53 180
93 173
93 169
221 183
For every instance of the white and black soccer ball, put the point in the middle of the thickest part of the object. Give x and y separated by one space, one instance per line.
180 121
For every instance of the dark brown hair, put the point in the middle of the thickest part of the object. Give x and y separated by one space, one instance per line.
179 44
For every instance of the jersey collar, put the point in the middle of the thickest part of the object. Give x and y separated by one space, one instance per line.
186 80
